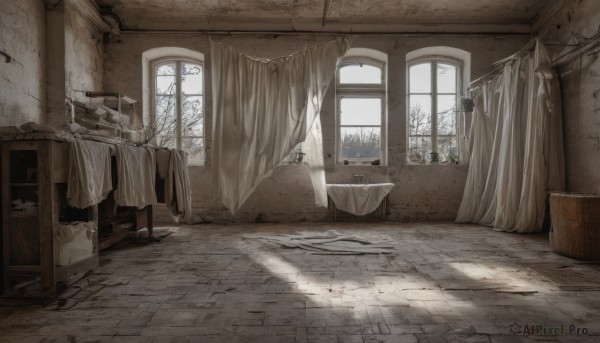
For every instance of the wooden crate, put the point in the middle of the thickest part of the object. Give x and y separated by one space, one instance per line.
575 225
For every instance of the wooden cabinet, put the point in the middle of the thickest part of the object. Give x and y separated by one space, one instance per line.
34 176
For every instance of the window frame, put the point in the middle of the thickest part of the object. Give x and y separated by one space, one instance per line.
433 60
178 60
361 90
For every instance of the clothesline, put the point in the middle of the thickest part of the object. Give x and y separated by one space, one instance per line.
267 60
592 44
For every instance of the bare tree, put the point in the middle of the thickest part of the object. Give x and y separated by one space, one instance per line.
162 129
363 144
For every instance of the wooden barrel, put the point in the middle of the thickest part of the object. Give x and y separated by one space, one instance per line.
575 225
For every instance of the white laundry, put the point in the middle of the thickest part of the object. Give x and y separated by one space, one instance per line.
178 191
89 173
136 171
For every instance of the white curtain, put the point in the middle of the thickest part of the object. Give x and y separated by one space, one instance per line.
516 146
262 110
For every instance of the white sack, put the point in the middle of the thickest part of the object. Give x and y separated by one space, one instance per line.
73 242
136 170
262 110
516 146
89 173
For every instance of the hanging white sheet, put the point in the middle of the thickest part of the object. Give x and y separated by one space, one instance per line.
178 191
262 110
171 166
136 170
516 146
89 173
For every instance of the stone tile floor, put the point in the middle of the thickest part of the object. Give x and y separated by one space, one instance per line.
214 283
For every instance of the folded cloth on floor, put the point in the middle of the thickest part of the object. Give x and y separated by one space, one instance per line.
178 194
332 242
136 172
89 173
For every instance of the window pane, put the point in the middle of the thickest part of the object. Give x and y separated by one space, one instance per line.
193 116
361 143
420 115
166 69
194 146
360 73
446 78
165 85
446 114
360 111
448 149
191 78
420 78
165 121
419 150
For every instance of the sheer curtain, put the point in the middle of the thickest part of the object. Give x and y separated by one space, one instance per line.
262 110
516 146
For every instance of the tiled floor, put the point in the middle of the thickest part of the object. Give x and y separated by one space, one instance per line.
210 283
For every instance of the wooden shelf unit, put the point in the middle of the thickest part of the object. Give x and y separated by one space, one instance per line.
35 171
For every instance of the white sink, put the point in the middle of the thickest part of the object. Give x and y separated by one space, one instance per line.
358 199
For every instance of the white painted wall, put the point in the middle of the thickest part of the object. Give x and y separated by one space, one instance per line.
422 192
580 82
22 81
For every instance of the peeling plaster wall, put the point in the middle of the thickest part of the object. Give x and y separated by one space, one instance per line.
75 59
422 192
580 86
83 56
22 81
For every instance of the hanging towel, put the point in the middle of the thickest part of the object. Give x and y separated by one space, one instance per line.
89 173
136 171
178 194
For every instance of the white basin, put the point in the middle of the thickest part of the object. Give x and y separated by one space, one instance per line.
358 199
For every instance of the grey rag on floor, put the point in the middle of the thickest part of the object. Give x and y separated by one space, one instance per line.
332 242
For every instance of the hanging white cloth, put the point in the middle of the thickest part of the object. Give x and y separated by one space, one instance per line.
178 191
262 110
89 173
516 146
136 170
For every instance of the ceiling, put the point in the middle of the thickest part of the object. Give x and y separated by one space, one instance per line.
341 15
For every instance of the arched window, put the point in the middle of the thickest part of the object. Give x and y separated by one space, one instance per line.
434 85
361 108
175 99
